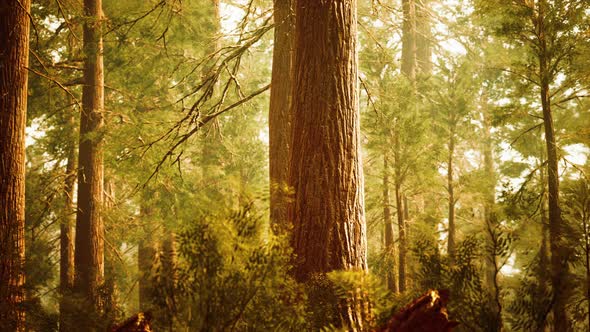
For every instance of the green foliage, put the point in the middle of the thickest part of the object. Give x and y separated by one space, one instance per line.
166 61
469 301
232 274
531 301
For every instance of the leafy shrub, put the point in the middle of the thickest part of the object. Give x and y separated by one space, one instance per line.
232 275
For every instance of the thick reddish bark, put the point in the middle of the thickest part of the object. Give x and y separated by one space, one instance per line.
327 209
279 117
89 255
14 59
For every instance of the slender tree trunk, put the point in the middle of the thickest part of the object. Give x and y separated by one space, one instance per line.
89 256
402 237
408 68
112 308
389 243
66 263
558 251
279 117
544 249
401 223
490 190
451 197
492 268
327 209
544 254
14 60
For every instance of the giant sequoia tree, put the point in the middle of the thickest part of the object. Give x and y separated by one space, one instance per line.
89 254
14 59
327 209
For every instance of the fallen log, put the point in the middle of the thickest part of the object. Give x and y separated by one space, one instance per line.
137 323
428 313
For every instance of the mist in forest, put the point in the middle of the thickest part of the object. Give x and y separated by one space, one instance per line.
295 165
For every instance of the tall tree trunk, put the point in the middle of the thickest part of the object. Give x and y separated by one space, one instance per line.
401 223
409 39
112 308
325 170
402 237
451 196
408 68
492 268
423 38
279 117
66 262
388 222
89 256
559 267
14 60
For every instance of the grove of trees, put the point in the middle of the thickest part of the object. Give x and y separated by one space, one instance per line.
213 165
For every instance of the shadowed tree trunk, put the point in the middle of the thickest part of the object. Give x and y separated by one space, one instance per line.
14 59
559 267
112 308
327 209
451 192
146 254
66 262
401 223
279 117
89 256
492 266
388 221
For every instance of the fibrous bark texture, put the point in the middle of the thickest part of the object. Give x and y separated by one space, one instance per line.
325 169
279 118
89 256
14 59
327 209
